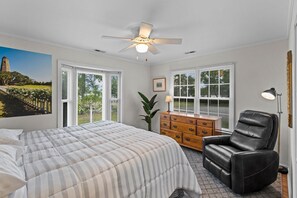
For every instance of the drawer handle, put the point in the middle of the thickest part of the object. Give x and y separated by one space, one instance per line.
177 136
204 123
190 129
174 126
174 118
165 116
204 132
191 121
164 124
187 139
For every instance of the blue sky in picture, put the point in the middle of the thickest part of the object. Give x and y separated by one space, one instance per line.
35 65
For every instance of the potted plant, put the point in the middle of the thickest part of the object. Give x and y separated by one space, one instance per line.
148 106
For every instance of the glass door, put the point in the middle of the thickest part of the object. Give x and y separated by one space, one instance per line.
90 96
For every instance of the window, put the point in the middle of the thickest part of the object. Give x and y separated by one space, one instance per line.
90 86
66 96
216 94
184 91
213 96
114 97
88 95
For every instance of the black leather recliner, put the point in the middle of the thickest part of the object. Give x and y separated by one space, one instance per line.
245 161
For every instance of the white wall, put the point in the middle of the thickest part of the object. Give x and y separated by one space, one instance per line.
292 132
135 78
257 68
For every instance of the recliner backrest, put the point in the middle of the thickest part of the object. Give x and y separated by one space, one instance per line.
255 131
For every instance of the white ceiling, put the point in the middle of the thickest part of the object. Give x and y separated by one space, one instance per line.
206 26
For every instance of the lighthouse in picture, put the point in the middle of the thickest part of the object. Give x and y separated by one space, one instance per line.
5 66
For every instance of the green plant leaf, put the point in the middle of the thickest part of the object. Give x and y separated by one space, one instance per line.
152 101
148 119
154 104
154 113
147 111
144 98
146 105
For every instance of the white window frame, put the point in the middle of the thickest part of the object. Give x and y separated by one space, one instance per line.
231 91
173 73
93 72
69 99
197 70
118 99
74 69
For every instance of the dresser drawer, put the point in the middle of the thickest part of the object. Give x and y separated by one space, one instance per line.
165 117
192 141
182 127
204 131
164 124
165 132
205 123
177 136
183 119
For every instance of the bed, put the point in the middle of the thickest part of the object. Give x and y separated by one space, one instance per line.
104 159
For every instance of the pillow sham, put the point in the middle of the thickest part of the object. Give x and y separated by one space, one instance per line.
11 136
12 152
12 133
12 177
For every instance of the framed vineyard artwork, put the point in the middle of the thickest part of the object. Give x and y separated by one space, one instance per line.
25 83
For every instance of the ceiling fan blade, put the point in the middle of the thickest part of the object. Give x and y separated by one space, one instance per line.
153 49
145 29
116 37
167 40
129 47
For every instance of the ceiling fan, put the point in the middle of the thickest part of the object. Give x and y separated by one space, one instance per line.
143 42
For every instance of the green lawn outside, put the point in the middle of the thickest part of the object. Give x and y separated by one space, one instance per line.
85 118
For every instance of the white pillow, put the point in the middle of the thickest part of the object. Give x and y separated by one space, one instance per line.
15 132
12 177
12 152
11 136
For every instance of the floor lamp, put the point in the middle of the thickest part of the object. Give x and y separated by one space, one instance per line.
271 94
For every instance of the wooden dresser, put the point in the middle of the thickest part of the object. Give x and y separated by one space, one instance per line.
188 129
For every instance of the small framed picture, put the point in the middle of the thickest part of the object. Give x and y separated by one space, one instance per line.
159 84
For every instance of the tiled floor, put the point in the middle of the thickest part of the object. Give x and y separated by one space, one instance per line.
212 188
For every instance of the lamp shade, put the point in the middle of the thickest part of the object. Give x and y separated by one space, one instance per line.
269 94
168 99
141 48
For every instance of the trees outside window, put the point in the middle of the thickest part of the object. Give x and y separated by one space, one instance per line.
214 94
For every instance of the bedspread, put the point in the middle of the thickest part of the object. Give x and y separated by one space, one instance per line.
105 159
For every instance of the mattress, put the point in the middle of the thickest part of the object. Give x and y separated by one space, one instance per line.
105 159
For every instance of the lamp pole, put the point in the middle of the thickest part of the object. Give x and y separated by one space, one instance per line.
279 111
271 94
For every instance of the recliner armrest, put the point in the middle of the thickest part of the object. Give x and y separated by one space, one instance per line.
219 139
254 169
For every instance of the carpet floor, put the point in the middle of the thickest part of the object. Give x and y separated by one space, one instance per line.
213 188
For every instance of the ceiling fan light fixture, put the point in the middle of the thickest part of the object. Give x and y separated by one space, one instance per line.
141 48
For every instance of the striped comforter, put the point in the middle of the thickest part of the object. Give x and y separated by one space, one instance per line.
105 159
